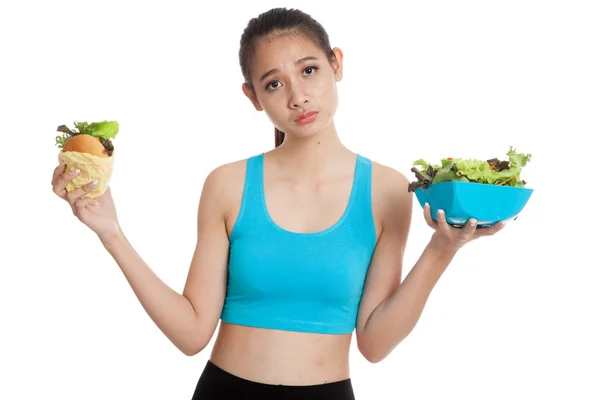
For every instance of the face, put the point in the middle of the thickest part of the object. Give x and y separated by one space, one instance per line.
295 84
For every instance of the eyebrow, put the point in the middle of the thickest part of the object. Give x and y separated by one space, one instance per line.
274 70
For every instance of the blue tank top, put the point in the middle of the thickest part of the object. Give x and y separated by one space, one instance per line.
305 282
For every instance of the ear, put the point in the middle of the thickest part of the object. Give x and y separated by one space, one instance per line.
337 64
251 96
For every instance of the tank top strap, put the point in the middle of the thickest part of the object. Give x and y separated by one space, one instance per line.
361 211
253 185
252 212
363 179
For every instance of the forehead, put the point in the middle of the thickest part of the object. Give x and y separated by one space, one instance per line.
282 50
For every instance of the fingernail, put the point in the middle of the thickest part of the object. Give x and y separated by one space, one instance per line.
503 224
441 212
473 222
426 204
94 182
77 171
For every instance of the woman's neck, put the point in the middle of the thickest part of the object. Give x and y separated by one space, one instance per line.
311 157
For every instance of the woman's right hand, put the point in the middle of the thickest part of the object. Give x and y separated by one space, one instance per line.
99 214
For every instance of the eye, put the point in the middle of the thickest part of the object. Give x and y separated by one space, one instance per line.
271 85
310 70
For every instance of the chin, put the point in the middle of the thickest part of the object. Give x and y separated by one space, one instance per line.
304 133
309 130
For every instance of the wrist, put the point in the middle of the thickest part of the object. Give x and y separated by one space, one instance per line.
440 250
110 239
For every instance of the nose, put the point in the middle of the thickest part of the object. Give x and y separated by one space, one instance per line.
298 95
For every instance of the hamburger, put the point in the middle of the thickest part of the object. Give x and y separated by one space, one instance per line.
89 148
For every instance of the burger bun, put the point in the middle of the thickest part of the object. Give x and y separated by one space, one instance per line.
84 143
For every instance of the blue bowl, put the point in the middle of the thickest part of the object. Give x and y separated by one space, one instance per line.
488 204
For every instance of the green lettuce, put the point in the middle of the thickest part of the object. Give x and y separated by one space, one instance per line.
492 171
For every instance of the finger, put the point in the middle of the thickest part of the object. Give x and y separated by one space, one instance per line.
84 202
76 194
468 230
57 172
445 228
491 230
428 218
59 187
80 206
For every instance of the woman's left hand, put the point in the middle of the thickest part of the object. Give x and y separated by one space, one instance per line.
450 239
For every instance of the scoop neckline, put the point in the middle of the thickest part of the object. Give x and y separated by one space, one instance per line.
315 233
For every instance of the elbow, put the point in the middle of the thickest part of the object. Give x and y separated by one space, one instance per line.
191 349
372 357
376 345
370 351
376 348
193 344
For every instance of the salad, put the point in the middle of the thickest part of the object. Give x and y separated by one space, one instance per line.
491 172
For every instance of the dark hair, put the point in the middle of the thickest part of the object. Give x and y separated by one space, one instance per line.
279 20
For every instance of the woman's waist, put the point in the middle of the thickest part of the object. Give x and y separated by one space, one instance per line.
281 357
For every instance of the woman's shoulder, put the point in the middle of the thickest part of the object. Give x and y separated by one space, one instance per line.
227 176
388 179
224 184
389 188
229 169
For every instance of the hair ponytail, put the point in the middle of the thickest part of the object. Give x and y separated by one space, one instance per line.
279 136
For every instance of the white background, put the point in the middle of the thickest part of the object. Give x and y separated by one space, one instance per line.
514 317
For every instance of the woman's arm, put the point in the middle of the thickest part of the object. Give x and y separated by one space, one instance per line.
188 320
390 310
392 317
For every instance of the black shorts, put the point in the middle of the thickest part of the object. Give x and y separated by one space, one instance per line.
217 384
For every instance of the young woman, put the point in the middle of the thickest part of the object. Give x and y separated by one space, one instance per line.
297 247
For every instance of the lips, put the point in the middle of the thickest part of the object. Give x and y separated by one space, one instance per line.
306 117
